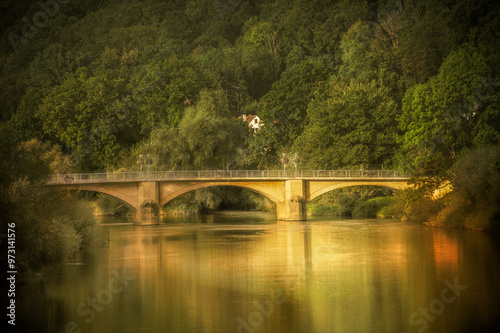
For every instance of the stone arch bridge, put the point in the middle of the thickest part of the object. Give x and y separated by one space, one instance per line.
146 191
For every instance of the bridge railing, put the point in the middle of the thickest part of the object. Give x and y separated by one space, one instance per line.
221 174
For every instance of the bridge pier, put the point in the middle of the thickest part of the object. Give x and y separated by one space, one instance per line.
294 206
148 208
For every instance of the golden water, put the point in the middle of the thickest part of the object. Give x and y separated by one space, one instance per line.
246 272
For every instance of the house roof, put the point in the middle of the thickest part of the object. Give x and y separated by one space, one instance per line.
249 118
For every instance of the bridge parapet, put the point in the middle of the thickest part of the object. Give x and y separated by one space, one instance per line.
223 175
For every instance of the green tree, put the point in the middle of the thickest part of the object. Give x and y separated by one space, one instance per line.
261 148
285 105
25 122
261 37
425 37
211 134
50 225
43 158
208 137
457 108
357 60
475 179
163 90
50 67
87 115
350 124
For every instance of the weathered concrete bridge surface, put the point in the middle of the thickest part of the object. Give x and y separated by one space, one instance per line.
147 191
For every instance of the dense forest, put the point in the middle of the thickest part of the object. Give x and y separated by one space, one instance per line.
410 85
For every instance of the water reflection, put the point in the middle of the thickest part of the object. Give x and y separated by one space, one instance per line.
248 273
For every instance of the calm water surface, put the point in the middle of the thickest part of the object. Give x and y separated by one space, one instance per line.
246 272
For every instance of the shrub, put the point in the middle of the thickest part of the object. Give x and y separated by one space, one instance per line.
391 211
473 203
372 207
50 226
108 205
318 209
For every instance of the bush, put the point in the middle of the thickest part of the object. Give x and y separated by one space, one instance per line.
393 211
181 206
342 202
79 216
476 176
473 201
50 226
258 202
108 205
417 205
318 209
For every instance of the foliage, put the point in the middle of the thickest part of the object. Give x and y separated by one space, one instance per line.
372 207
86 114
476 177
39 156
49 227
206 137
351 201
392 210
260 150
357 60
417 203
165 88
25 122
50 66
286 103
214 198
182 205
350 124
101 78
108 205
322 209
456 109
473 203
424 33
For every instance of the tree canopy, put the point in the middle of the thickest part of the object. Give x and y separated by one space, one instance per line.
405 84
456 109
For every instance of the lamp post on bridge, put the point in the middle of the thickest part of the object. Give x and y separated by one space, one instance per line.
284 161
296 160
140 162
145 160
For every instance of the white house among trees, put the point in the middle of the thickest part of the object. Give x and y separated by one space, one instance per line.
252 120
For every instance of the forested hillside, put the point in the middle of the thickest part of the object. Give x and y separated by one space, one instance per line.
394 84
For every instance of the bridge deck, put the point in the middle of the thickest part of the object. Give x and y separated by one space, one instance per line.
220 175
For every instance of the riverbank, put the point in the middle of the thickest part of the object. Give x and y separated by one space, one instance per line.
472 202
451 212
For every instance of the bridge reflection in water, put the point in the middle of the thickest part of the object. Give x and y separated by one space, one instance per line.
290 190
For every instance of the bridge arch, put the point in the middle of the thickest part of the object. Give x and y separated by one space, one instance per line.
270 191
109 190
316 191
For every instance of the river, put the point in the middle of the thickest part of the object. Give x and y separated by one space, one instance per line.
247 272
